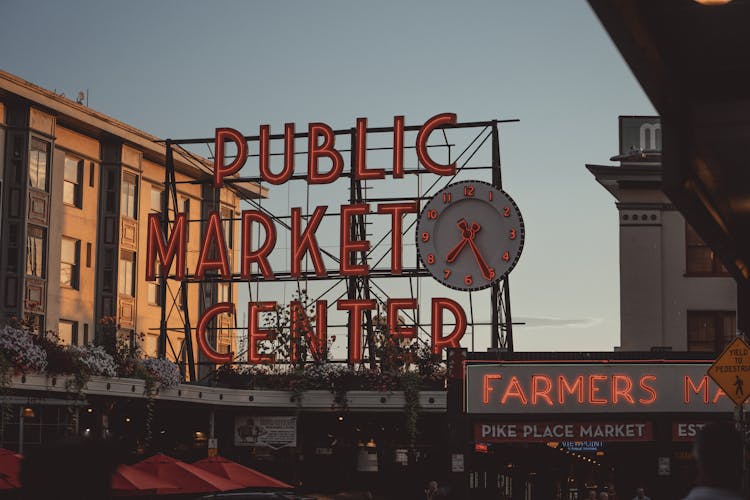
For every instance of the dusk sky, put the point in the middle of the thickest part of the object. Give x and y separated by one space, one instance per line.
179 69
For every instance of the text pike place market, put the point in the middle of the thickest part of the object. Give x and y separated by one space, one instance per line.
213 256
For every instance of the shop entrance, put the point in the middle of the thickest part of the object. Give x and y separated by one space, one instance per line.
562 470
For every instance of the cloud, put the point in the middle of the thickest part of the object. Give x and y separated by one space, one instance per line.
558 322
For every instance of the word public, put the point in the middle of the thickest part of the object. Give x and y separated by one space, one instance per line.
213 257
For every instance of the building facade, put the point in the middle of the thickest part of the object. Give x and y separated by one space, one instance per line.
674 292
77 189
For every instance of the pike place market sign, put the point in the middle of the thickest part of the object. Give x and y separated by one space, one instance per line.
614 387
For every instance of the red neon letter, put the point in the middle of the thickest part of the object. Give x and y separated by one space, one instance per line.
514 390
265 154
221 171
486 387
327 150
543 393
619 390
255 334
302 243
214 234
261 254
454 339
397 211
563 388
689 386
393 306
200 334
422 137
300 327
593 389
355 307
156 245
360 165
398 147
349 245
648 389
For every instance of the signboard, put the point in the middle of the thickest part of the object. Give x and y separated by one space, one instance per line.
213 447
542 432
520 388
664 468
271 432
582 445
458 256
640 133
686 431
731 370
457 462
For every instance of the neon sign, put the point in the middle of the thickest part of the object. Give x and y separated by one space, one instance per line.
170 249
592 388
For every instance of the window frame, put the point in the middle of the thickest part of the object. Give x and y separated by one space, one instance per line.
123 277
128 209
43 273
77 185
715 319
73 330
695 247
33 176
76 265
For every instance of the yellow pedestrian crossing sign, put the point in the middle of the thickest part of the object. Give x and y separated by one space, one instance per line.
731 370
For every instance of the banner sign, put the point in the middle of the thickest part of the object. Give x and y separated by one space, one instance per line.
542 432
686 431
273 432
614 387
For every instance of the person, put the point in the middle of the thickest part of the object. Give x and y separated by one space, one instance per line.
718 452
591 495
603 495
431 492
640 494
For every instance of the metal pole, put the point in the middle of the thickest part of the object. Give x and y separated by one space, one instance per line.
20 429
161 346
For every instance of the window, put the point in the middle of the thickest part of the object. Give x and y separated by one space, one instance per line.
126 277
186 211
699 258
224 292
157 196
68 332
38 164
72 190
154 297
34 322
128 195
35 252
70 262
710 331
227 223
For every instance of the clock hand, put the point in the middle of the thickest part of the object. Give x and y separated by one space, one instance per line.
487 272
456 250
466 233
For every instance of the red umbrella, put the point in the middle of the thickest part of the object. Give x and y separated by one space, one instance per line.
190 479
247 477
10 467
128 480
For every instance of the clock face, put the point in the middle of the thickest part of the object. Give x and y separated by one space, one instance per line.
470 235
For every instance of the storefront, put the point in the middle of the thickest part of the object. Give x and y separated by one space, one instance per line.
557 429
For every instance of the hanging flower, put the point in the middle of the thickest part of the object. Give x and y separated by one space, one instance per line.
164 372
18 347
95 360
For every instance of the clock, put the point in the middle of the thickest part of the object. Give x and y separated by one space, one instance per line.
470 235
